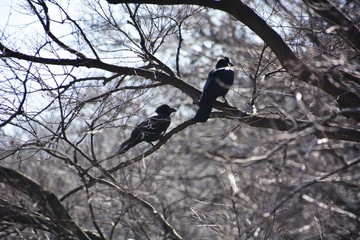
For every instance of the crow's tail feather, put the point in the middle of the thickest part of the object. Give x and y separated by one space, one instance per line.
127 145
124 147
204 111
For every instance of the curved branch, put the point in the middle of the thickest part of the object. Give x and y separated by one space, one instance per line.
301 187
161 142
47 200
96 63
10 212
46 25
19 109
321 128
345 97
148 55
252 120
256 121
346 27
156 214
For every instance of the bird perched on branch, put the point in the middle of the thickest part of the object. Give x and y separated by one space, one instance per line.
217 84
150 130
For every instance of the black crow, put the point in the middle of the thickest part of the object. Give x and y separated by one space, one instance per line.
217 84
150 130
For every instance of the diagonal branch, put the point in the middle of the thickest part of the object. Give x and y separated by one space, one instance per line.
300 188
156 214
97 63
47 200
148 55
46 25
345 97
345 26
255 121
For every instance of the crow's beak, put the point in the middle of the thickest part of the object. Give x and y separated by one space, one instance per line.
231 64
171 110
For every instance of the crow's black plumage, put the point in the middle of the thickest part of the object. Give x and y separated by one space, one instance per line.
217 84
150 130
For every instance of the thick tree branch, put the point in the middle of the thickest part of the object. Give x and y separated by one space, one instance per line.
15 214
255 121
321 128
96 63
64 225
344 25
294 66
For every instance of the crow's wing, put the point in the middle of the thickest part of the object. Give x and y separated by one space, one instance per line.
223 80
209 81
154 127
218 81
149 130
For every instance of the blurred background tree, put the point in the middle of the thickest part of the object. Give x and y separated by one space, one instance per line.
281 161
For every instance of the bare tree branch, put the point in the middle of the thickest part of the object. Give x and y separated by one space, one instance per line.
342 23
258 121
345 96
64 225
